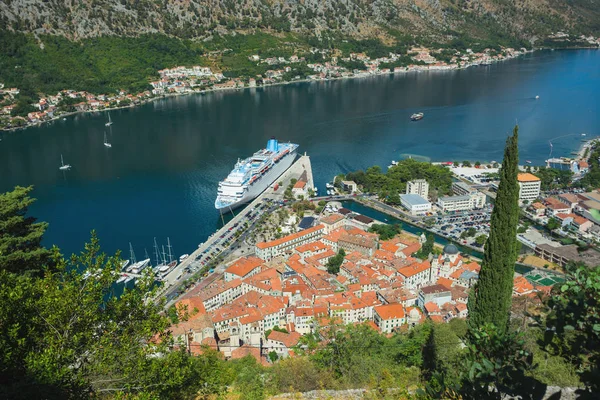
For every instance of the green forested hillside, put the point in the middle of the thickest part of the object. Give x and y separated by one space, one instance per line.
52 63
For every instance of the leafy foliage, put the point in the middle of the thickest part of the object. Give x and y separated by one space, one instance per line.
575 320
20 235
553 178
100 65
334 263
592 178
427 247
385 231
493 364
373 180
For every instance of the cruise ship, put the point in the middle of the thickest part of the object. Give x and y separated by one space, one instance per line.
250 177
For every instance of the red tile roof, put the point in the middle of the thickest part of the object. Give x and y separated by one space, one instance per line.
414 269
244 265
527 177
390 311
299 185
431 308
288 339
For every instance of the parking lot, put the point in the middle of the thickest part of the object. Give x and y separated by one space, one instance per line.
235 232
453 226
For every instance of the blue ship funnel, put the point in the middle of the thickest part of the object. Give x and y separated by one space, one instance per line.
273 145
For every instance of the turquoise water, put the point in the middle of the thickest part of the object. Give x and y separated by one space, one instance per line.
160 177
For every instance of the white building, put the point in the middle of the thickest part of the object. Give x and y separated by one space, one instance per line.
389 317
274 248
437 294
418 186
462 203
415 203
462 189
529 186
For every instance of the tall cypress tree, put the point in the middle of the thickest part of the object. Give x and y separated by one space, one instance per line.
490 299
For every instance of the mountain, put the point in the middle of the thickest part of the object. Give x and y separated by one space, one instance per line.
434 19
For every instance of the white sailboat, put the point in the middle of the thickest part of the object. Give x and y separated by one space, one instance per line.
109 123
106 142
63 166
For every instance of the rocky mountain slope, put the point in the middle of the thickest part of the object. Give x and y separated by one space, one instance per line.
526 19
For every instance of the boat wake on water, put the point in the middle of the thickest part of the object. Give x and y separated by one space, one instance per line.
417 157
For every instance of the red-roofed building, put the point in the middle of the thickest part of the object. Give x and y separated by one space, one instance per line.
432 308
389 317
538 208
333 222
555 206
416 275
242 268
529 186
281 342
268 250
300 189
245 351
310 249
521 286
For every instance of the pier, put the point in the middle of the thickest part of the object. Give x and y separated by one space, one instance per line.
302 166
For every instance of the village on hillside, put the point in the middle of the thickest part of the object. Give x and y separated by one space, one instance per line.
199 79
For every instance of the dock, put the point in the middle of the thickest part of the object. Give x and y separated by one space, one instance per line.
302 166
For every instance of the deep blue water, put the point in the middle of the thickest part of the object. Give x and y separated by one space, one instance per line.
160 177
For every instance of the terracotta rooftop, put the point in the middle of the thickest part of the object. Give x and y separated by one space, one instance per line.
312 246
244 265
288 339
527 177
432 308
299 185
390 311
414 269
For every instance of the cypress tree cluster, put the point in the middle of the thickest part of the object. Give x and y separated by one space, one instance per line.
490 299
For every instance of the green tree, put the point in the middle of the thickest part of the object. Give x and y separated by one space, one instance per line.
490 299
466 163
69 336
553 224
385 231
334 263
20 235
480 240
427 247
273 356
574 322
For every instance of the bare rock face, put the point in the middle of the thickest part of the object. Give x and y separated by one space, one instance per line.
78 19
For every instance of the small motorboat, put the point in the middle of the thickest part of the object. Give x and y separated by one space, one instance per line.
417 116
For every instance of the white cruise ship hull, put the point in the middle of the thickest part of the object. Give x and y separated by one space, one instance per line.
259 186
